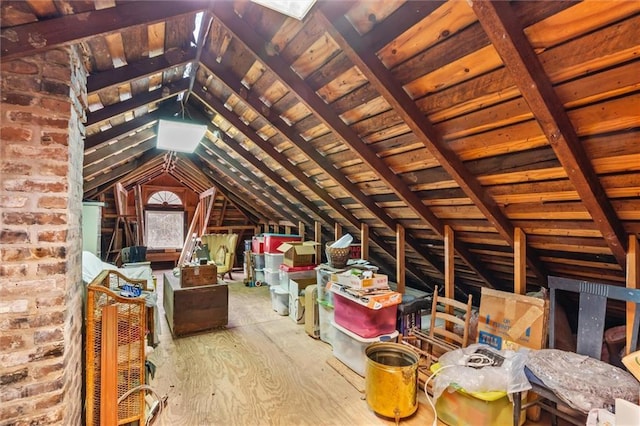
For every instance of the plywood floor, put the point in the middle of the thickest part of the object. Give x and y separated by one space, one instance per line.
262 369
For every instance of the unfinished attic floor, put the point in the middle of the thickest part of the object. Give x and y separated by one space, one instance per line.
261 369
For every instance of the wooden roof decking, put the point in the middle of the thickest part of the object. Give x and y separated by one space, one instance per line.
484 117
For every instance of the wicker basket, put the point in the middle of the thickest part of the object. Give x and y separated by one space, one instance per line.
337 257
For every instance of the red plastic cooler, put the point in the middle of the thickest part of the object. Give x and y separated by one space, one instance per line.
273 241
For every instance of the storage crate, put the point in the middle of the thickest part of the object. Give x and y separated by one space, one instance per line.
260 278
279 300
325 314
361 320
272 277
460 408
258 260
192 276
300 273
257 244
297 253
273 241
349 348
273 261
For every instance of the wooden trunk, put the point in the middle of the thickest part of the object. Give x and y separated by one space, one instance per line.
192 276
193 309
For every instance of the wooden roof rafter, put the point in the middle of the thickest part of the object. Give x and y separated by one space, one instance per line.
507 36
380 77
217 106
30 38
253 42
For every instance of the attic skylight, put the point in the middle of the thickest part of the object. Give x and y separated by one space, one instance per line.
294 8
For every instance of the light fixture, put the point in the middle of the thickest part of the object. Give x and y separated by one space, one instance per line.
294 8
181 136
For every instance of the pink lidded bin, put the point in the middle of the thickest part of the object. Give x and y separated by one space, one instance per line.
361 320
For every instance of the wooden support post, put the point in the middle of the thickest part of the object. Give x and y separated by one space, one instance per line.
520 261
287 230
400 268
317 231
109 367
301 229
449 263
139 206
633 282
337 231
364 241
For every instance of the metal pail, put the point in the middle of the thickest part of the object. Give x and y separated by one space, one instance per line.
391 379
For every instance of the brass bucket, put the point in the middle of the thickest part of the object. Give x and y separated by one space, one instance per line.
391 379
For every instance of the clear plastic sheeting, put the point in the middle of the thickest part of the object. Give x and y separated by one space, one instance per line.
584 383
481 368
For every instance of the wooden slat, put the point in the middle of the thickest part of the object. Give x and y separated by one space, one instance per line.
633 282
400 259
109 367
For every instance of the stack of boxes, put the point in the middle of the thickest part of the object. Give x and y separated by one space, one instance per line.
365 311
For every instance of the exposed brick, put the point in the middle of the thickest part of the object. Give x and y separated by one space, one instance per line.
20 117
52 236
61 107
15 134
51 218
49 401
9 342
16 168
13 270
21 99
55 87
10 236
45 269
58 56
48 121
56 71
13 201
14 306
43 387
49 252
20 67
21 83
51 138
51 317
34 185
48 336
14 376
41 370
13 411
14 323
10 393
49 169
48 202
12 218
9 254
47 352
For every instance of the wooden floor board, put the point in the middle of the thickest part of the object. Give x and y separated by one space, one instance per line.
262 369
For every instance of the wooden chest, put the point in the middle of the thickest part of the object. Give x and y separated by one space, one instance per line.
191 276
193 309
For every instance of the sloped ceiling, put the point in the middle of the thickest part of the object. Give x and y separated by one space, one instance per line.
493 120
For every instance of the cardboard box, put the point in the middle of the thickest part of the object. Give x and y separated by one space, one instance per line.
509 320
346 278
298 253
371 301
192 276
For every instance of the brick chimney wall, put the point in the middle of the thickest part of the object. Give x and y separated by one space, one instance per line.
41 154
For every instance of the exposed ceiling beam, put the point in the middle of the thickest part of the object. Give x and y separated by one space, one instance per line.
507 36
103 152
28 39
126 155
165 92
381 78
143 68
217 106
254 101
116 132
207 20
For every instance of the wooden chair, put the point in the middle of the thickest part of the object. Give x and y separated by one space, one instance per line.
593 299
440 337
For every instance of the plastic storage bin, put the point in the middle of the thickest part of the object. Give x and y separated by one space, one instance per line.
258 260
273 241
260 278
361 320
300 273
273 261
279 300
272 278
349 348
460 408
257 244
325 315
